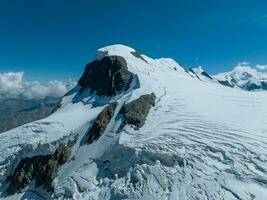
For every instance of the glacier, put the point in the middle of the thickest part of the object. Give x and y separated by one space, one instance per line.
201 140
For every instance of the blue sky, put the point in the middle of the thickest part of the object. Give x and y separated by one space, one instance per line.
54 39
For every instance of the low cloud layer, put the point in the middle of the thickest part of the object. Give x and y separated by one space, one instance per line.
261 67
13 85
257 68
258 71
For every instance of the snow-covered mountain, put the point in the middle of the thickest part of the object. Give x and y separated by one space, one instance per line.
244 77
141 128
200 74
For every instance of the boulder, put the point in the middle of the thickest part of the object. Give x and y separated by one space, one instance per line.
135 112
42 168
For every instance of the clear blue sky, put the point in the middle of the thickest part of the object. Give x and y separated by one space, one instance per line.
54 39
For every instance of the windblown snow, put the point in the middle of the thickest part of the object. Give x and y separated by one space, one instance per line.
200 141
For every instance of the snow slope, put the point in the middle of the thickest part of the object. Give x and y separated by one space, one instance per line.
200 141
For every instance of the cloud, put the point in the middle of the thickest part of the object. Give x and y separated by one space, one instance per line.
261 67
244 63
13 85
245 66
255 68
256 71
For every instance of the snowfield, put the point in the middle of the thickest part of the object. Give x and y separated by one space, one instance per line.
201 141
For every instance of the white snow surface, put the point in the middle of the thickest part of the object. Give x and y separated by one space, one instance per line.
201 141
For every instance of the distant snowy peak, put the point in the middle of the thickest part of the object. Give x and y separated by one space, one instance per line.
245 77
242 76
199 73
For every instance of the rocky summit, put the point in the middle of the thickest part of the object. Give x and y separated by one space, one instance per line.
107 76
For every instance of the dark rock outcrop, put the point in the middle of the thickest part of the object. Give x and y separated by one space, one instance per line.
101 122
206 74
41 168
226 83
135 112
252 86
107 77
192 71
229 83
264 85
203 73
138 55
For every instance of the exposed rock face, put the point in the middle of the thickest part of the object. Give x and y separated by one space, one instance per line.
264 85
206 74
198 72
101 122
41 168
25 172
135 112
57 106
138 55
226 83
107 77
253 86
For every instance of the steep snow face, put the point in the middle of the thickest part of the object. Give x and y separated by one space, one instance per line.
200 141
244 77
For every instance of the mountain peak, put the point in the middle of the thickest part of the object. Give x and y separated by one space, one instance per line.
243 76
245 71
114 50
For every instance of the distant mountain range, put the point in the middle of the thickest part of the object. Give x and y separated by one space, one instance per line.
16 112
243 77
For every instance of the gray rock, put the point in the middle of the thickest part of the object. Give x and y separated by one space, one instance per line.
206 74
135 112
101 122
43 169
138 55
107 77
226 83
